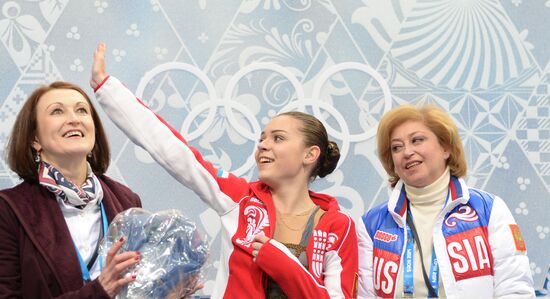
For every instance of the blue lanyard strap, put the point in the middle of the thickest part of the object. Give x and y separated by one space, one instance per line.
408 269
86 268
408 285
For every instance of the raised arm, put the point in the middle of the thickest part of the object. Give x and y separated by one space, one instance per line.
216 188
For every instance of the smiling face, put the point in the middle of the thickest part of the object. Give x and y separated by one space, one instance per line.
65 128
281 154
417 155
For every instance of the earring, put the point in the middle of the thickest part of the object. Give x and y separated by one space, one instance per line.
89 155
37 157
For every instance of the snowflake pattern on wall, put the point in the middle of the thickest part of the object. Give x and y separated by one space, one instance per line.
490 72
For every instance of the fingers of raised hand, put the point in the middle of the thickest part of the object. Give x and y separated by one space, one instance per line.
114 249
98 66
99 52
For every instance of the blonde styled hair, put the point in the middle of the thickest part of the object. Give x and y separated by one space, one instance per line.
437 120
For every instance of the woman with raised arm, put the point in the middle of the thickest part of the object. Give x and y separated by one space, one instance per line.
435 236
279 238
51 223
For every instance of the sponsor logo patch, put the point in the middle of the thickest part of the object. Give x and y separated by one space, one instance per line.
384 236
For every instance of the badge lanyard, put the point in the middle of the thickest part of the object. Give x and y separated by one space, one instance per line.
102 232
408 269
408 281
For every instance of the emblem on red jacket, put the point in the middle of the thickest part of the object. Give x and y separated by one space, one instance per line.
322 242
256 221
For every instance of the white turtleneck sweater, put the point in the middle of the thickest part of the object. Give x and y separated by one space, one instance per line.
426 204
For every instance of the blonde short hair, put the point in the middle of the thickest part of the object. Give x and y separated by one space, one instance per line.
437 120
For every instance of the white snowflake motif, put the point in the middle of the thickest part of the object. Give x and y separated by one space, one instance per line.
133 30
522 209
101 5
534 268
502 162
160 52
76 66
119 54
73 33
543 231
203 37
322 242
155 4
523 182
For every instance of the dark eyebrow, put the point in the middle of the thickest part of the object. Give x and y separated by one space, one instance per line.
85 103
54 104
274 131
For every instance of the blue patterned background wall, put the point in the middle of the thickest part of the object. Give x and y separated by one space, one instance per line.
197 64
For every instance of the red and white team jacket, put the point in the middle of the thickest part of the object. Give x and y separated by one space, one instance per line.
245 209
479 248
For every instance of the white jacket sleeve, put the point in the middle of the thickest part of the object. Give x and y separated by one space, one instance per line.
366 283
164 144
512 275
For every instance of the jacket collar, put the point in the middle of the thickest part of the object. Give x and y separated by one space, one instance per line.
397 205
325 201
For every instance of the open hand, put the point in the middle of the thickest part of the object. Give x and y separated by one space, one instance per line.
110 277
98 66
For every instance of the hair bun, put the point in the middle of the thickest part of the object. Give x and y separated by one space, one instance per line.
332 156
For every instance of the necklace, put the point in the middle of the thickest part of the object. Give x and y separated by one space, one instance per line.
282 217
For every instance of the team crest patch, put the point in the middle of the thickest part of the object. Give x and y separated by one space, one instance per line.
518 239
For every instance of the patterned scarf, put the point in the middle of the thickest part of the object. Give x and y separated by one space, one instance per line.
66 190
